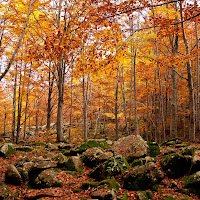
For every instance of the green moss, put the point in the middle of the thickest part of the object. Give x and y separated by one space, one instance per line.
169 152
82 148
35 143
10 151
71 184
176 165
172 142
138 162
150 194
92 143
76 190
125 197
141 182
70 165
154 149
112 184
189 151
24 174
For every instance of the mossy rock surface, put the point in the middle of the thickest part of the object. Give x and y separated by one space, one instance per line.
112 184
142 161
189 151
176 165
154 149
125 197
169 152
46 179
141 195
172 142
143 177
7 149
193 183
70 165
24 148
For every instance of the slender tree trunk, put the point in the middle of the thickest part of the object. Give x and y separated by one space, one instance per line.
18 44
49 106
190 82
71 105
14 106
19 106
26 107
135 95
197 76
123 90
116 107
60 86
5 121
85 130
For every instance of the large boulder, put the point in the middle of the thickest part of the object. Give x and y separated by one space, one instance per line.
193 183
176 165
94 156
74 164
195 162
13 176
143 177
131 146
7 149
45 179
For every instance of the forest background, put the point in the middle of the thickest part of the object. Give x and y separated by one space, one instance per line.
99 69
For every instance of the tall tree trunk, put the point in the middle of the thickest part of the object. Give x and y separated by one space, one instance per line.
49 106
26 107
190 82
14 106
5 120
197 76
123 90
71 105
60 86
85 120
135 95
116 107
19 106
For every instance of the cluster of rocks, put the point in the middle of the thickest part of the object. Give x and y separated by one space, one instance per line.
132 157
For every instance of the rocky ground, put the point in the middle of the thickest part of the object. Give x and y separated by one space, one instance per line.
130 168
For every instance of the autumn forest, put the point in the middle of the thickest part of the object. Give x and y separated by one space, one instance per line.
99 68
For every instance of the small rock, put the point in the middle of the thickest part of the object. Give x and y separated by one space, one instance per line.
7 149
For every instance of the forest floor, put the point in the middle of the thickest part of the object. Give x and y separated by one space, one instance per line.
70 182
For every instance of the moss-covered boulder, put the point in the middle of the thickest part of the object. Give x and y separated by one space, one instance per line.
7 149
195 162
99 173
189 151
193 183
154 149
143 177
176 165
112 184
61 160
45 179
172 142
94 156
24 148
74 164
13 176
142 161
